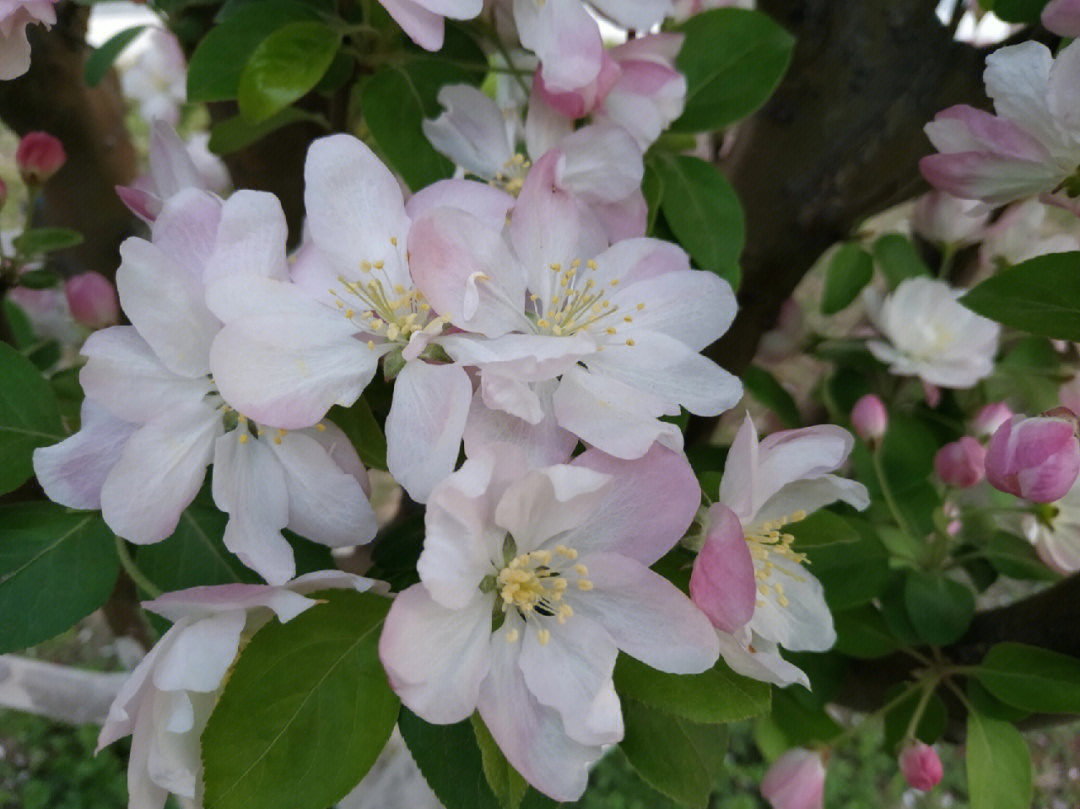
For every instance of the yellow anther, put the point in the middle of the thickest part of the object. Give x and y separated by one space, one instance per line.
559 585
630 342
543 557
320 427
614 282
277 439
543 636
590 264
340 304
349 313
243 438
543 324
393 240
556 267
640 306
512 636
379 265
365 266
628 319
610 329
581 570
371 345
584 585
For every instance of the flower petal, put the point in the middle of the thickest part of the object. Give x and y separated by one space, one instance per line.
201 654
250 238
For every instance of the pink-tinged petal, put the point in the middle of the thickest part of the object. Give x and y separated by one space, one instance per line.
425 424
467 272
511 396
471 131
121 717
524 357
532 737
166 305
632 261
14 54
601 161
171 166
571 673
791 455
577 101
1064 85
1036 458
646 99
1062 17
626 519
660 48
615 417
549 226
73 471
423 27
1016 79
796 780
488 204
186 229
722 583
550 502
646 615
764 663
249 484
738 484
919 763
545 127
625 219
961 128
565 38
810 494
638 14
250 238
334 580
201 654
544 443
285 359
285 602
123 375
143 204
160 472
355 207
694 307
326 504
985 176
436 658
667 369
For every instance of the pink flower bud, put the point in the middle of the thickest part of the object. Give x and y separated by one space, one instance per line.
39 156
920 765
92 300
869 418
580 101
1062 17
989 418
961 463
796 780
1035 458
3 193
722 584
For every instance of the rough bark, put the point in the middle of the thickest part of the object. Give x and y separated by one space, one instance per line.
53 97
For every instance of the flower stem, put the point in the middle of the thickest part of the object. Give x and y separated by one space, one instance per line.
137 576
879 470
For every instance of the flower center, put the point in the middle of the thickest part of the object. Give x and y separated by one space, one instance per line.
511 177
766 541
578 303
535 583
388 310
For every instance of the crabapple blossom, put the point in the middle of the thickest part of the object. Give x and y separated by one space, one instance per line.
422 20
153 420
15 15
990 417
1062 17
599 163
767 597
796 780
1055 533
619 327
173 167
1035 458
931 336
1032 144
156 78
166 702
38 157
1026 230
961 463
531 580
869 418
920 765
947 220
92 300
291 349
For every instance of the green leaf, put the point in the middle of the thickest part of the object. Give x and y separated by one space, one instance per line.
849 271
1015 557
852 573
863 633
907 461
56 567
218 62
998 765
29 417
898 259
704 213
102 57
821 528
362 429
285 66
1017 10
801 717
764 387
235 133
450 761
1031 678
733 59
673 755
38 279
305 735
507 784
36 241
194 555
717 695
932 723
940 608
1041 296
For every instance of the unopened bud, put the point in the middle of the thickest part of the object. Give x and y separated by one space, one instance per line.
920 766
39 156
989 418
92 300
869 418
961 463
1062 17
722 583
796 780
1035 458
